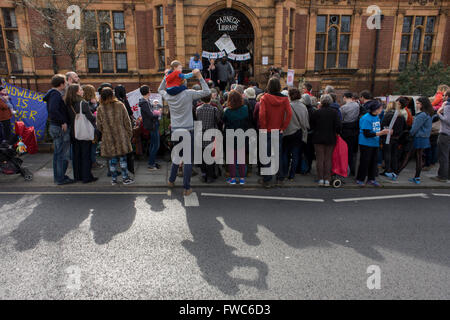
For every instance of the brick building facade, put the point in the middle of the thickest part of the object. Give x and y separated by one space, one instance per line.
324 41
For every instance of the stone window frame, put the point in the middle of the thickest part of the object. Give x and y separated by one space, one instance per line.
410 35
114 51
338 50
6 51
160 37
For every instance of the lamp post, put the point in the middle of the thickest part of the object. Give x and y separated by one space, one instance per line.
375 55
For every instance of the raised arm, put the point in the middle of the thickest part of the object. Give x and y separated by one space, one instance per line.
205 89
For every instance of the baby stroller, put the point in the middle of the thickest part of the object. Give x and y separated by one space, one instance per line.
340 163
10 163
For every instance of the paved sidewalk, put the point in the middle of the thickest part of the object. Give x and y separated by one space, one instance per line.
41 166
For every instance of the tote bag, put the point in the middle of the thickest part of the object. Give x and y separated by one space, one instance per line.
84 130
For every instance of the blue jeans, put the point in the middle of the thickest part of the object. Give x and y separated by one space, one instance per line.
187 168
291 149
269 154
154 146
61 153
123 166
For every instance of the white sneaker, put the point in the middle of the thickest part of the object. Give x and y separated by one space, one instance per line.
321 182
326 183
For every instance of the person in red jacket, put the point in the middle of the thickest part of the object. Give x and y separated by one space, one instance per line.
275 114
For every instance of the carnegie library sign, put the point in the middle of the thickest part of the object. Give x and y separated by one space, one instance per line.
227 23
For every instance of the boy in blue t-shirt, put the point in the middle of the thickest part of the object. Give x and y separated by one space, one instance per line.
369 142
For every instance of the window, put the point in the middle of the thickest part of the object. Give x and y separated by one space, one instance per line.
160 46
291 37
106 43
332 42
9 43
417 40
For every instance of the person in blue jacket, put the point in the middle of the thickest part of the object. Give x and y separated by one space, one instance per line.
421 131
369 143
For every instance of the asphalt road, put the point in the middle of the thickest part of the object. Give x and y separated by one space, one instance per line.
150 245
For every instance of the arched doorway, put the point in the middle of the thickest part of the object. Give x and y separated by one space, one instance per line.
235 24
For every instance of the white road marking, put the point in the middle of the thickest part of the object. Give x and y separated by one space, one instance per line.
82 193
259 197
191 200
441 195
399 196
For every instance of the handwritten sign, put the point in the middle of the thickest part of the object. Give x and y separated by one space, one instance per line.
30 108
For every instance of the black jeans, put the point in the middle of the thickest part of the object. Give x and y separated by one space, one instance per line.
367 163
391 155
6 124
82 163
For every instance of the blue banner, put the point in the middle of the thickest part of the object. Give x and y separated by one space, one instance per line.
30 108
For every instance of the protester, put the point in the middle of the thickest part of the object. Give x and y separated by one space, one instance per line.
81 149
275 114
295 135
150 120
391 150
176 79
121 95
308 149
307 89
115 125
59 129
369 143
196 63
71 78
212 72
225 73
91 98
6 113
350 129
421 131
439 97
181 117
255 86
215 100
250 101
326 124
210 116
236 117
444 140
404 110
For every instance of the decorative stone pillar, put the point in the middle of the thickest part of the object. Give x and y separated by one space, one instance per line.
180 47
278 38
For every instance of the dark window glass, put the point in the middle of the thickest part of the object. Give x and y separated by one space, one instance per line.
343 45
403 60
416 39
104 17
105 37
334 20
93 63
89 18
121 62
332 39
16 62
108 63
331 60
120 41
160 17
427 43
119 23
345 24
426 59
419 21
291 39
91 41
162 60
161 37
407 22
414 57
292 16
405 43
320 42
318 65
13 39
3 63
430 24
343 58
321 23
2 43
9 17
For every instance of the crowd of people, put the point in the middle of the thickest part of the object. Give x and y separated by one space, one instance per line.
386 137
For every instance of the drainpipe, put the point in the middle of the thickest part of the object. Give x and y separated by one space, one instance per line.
375 56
